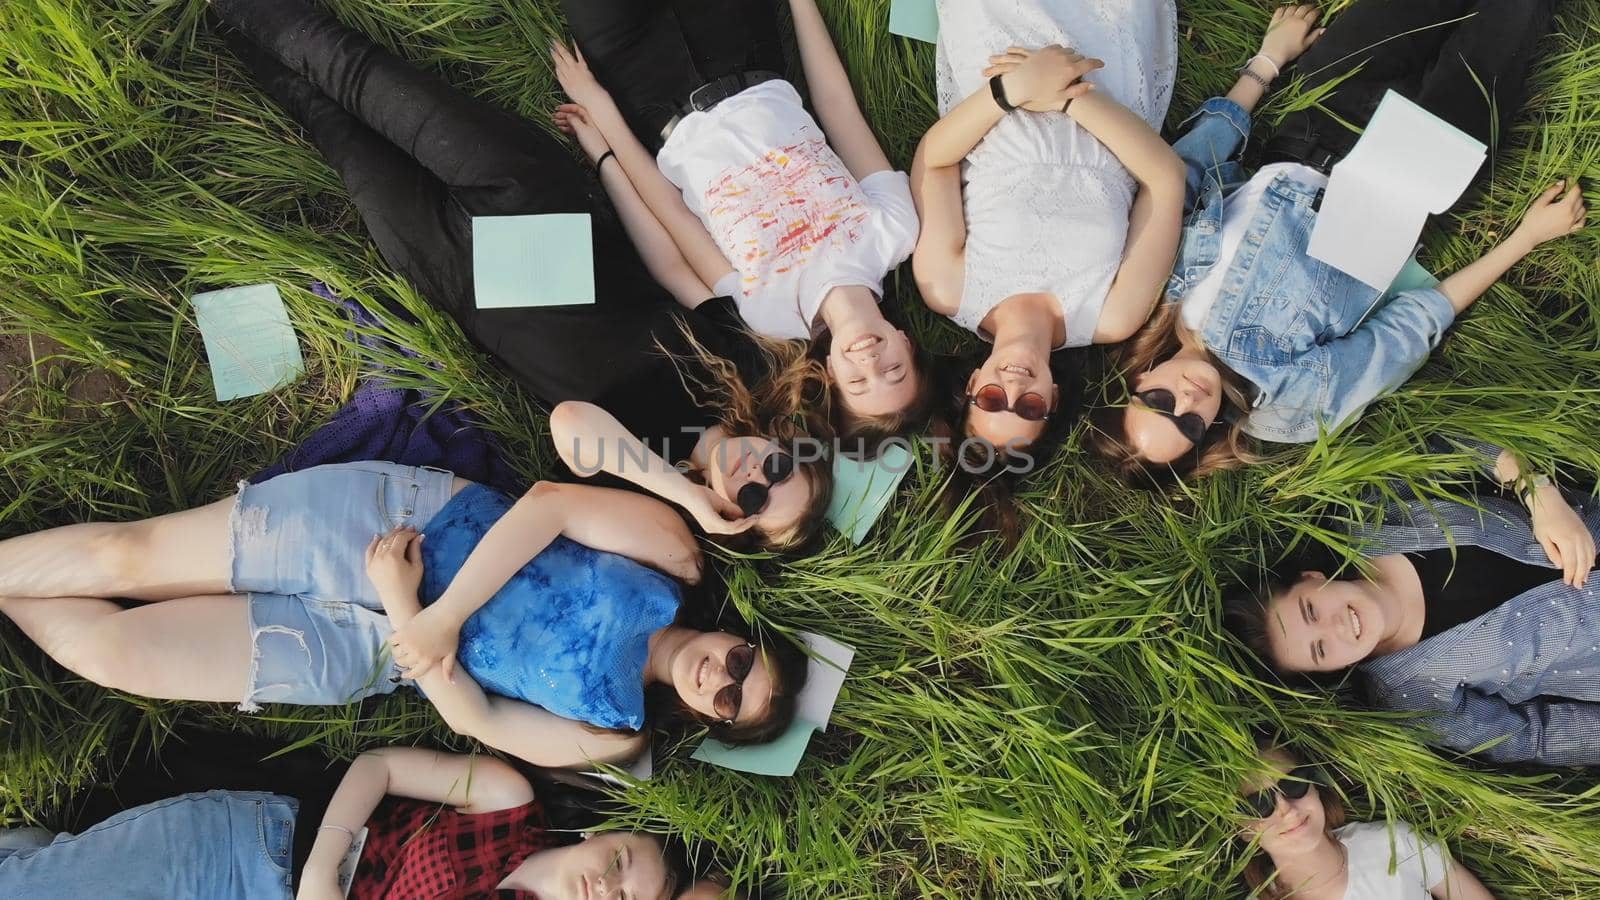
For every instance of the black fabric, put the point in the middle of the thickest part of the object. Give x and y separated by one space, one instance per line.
651 54
1461 585
1466 61
420 159
207 761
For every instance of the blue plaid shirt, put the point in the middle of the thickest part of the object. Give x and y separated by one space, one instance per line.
1518 684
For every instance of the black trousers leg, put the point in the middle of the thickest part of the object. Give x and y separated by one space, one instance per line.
1479 78
415 222
1371 47
651 54
492 161
637 50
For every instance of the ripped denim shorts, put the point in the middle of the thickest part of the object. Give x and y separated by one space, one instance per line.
318 631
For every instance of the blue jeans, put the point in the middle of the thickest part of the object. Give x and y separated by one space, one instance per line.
299 545
219 845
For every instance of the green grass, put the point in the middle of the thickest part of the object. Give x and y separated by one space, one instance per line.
1068 721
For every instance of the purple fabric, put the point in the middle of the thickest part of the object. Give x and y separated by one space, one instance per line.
394 424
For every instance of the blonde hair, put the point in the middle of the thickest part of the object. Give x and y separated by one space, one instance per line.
790 405
1160 338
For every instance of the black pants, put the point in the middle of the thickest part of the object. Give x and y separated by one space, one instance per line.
651 54
1466 61
420 159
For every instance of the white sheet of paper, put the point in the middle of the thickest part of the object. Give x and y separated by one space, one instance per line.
825 672
1409 164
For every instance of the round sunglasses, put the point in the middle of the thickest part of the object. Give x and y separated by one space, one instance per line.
754 496
991 398
1262 804
739 661
1163 402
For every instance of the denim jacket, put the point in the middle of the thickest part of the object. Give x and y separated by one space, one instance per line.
1518 684
1317 344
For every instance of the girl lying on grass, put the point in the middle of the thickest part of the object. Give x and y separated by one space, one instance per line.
1051 209
798 224
1258 338
1312 854
576 632
421 160
438 825
1475 616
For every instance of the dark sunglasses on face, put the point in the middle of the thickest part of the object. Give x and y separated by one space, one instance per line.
1262 804
740 660
776 469
1192 426
991 398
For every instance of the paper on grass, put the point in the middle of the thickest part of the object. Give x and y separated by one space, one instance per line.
917 19
250 345
862 489
1408 164
545 260
825 673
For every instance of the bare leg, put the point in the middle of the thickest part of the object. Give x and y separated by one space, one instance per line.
184 554
194 648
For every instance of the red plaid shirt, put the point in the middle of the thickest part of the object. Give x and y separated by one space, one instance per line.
425 851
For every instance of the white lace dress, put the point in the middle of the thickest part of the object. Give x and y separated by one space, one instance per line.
1047 205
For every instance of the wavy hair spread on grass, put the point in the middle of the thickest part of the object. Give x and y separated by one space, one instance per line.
789 407
1226 445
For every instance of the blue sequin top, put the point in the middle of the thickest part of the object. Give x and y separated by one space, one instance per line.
568 632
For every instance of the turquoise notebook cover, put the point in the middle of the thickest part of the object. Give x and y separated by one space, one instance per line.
520 261
249 341
918 19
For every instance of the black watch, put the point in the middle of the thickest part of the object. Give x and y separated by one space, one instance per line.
998 89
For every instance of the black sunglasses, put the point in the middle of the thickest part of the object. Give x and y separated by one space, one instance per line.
1262 804
776 469
1192 426
739 662
991 398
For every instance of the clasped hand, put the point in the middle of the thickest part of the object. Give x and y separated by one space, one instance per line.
394 564
1043 80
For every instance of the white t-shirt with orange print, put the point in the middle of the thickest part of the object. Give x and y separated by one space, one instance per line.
784 209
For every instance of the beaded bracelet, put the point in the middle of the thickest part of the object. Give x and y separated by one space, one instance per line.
1247 72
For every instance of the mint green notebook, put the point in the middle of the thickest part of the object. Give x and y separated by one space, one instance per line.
520 261
250 344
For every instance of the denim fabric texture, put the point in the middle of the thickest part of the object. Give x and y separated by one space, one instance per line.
568 632
217 845
1518 684
1317 345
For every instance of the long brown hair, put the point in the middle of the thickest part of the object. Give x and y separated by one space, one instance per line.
790 407
1259 872
1225 446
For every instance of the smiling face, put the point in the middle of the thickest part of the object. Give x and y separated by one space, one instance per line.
873 370
736 462
1323 625
699 671
1196 388
616 865
1296 826
1018 374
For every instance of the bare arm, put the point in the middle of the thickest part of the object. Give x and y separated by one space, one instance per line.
1553 215
591 440
939 262
832 95
655 245
1459 884
520 729
640 528
472 784
1035 81
661 196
